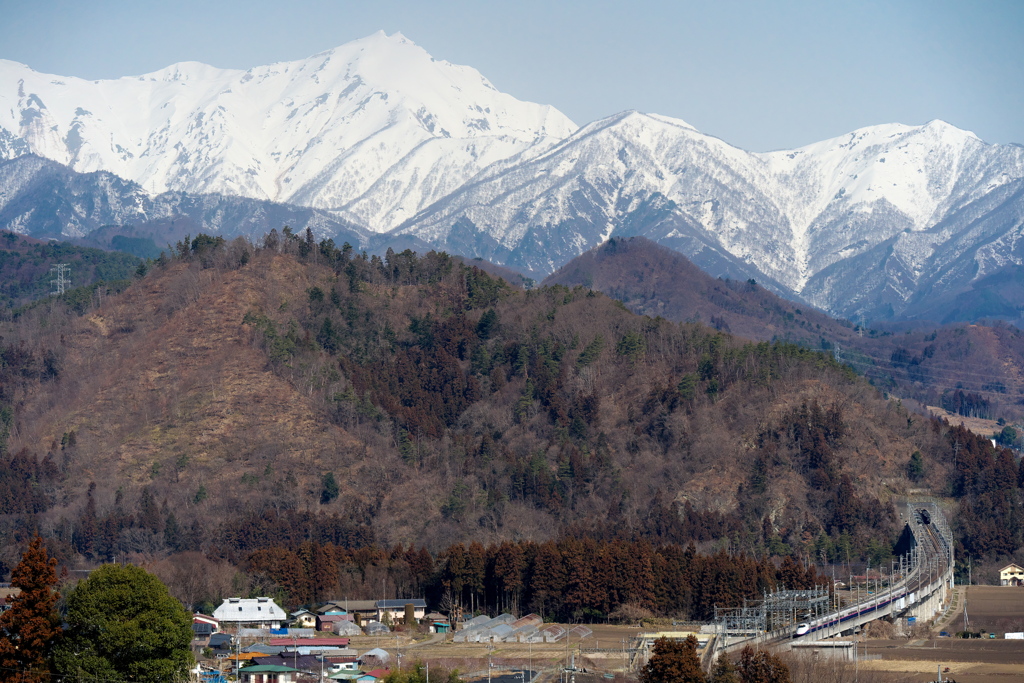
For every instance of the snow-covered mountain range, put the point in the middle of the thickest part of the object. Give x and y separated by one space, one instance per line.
855 225
881 222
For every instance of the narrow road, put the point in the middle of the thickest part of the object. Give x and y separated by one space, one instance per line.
948 620
432 640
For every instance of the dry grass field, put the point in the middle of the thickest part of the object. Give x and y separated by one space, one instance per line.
995 609
986 428
440 651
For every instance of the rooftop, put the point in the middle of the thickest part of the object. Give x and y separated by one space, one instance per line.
399 604
311 642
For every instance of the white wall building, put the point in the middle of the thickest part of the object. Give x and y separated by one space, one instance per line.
250 612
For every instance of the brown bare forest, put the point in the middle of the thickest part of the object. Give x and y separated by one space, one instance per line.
238 397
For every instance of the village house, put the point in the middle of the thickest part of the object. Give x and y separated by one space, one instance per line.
1011 575
326 622
438 623
362 610
360 676
7 593
250 613
303 618
203 626
395 609
221 641
314 646
332 608
343 664
302 663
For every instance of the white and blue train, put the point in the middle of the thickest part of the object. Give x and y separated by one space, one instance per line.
896 596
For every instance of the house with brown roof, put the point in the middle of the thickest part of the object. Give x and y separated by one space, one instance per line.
1011 575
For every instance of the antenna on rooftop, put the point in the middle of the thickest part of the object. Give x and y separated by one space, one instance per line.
62 278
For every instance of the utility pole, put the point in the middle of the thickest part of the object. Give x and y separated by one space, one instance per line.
966 590
62 278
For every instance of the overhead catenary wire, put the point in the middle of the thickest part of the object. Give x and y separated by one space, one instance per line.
951 379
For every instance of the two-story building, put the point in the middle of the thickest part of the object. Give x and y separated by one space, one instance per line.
268 673
303 618
1011 575
395 609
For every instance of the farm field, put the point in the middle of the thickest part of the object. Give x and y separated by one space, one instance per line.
991 608
969 661
995 609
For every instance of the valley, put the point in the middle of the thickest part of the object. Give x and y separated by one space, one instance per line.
363 326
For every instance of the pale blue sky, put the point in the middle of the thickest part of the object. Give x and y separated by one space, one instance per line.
761 75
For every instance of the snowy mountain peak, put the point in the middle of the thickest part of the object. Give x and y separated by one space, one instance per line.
373 130
947 128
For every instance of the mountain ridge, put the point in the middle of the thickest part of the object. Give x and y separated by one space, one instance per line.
43 199
924 364
798 217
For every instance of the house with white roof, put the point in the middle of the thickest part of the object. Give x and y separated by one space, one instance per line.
250 613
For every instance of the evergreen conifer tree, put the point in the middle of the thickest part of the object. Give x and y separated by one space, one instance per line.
29 629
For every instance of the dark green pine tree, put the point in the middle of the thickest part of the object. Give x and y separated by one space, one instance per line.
915 468
329 490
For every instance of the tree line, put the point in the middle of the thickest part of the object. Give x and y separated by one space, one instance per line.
570 580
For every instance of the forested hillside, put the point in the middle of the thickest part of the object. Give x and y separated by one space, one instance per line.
25 267
258 404
973 370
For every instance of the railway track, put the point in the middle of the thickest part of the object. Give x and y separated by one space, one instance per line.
923 571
